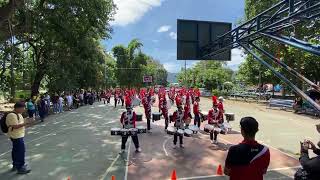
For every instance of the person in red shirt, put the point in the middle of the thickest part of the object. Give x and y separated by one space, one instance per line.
214 120
147 103
196 112
164 111
221 108
128 121
179 120
248 160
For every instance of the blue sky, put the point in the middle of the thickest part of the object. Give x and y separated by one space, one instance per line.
153 22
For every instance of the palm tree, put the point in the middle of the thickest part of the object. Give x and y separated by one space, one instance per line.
130 60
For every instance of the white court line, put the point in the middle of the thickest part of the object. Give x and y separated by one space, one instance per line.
127 163
164 146
109 168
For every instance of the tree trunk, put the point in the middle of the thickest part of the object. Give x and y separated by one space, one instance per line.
36 83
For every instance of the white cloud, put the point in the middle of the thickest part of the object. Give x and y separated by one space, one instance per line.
164 28
237 57
131 11
173 35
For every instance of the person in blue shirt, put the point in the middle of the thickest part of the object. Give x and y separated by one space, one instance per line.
31 108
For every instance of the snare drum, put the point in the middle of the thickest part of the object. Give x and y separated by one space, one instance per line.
217 130
188 132
208 128
156 116
141 129
139 117
229 117
133 131
171 130
180 132
194 128
125 132
115 131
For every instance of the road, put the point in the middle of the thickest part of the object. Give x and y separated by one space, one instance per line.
78 145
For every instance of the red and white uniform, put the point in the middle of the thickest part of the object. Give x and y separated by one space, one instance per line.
128 119
179 119
196 109
221 111
213 116
147 103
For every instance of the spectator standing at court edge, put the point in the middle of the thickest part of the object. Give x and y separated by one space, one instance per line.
248 160
60 104
55 100
31 109
42 107
69 101
16 132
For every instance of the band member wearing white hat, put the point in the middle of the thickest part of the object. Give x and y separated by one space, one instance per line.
179 119
128 121
214 119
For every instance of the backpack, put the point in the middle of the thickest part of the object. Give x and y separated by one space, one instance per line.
4 127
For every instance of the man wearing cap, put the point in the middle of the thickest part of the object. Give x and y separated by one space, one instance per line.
147 103
248 160
179 119
128 121
16 132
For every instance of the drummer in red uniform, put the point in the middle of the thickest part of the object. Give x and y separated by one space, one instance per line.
196 112
164 110
128 120
214 119
179 119
147 103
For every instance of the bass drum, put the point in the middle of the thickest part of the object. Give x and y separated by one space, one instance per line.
188 132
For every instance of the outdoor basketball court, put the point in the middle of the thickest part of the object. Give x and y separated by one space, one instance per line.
199 158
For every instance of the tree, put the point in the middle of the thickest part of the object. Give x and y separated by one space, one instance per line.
304 63
206 74
62 37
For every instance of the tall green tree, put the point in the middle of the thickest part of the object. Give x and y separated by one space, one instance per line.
306 64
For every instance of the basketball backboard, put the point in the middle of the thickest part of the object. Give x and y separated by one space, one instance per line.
192 36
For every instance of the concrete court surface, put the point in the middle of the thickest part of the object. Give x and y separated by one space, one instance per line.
78 145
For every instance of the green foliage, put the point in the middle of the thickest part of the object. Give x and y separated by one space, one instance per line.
206 74
306 64
132 64
60 44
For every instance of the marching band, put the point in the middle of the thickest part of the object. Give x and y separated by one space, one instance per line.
183 98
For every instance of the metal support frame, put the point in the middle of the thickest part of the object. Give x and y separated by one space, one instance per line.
268 24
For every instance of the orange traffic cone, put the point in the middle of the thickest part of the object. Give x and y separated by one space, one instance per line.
174 175
219 170
113 178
